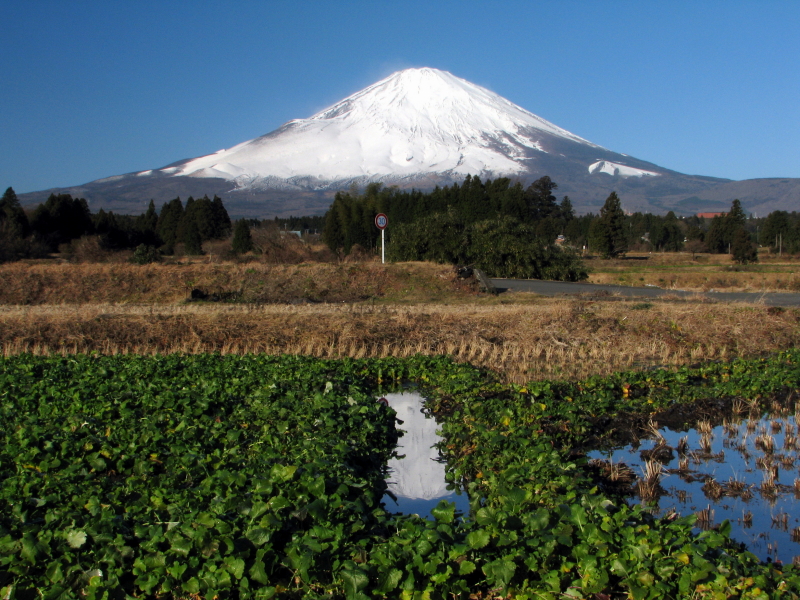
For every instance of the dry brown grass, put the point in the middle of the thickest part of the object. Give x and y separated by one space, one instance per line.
546 338
704 272
34 283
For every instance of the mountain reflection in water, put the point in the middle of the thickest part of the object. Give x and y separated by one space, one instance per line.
418 479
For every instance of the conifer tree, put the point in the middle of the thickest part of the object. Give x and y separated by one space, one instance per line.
513 202
13 220
540 199
242 240
202 212
193 244
145 228
566 210
61 219
168 221
716 236
666 234
222 221
736 217
723 229
778 232
742 248
607 232
147 222
333 234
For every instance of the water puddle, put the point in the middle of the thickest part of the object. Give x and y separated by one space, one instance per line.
418 479
745 470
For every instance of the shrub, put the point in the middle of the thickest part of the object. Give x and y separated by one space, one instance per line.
144 255
503 247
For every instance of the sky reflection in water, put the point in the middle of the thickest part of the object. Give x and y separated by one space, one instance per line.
764 517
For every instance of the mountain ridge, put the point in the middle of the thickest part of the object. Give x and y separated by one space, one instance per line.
416 128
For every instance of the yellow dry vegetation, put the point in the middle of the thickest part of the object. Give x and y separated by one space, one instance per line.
699 272
540 339
46 282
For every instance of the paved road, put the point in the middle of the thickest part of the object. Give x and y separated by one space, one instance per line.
558 288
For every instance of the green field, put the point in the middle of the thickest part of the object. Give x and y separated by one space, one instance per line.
213 476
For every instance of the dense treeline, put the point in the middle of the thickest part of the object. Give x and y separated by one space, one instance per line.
780 231
446 225
62 219
313 224
350 220
496 225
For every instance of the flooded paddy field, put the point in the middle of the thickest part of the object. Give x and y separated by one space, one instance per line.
417 480
739 463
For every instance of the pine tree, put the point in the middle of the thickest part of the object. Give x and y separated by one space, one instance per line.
148 222
145 228
242 241
9 199
666 234
735 218
778 232
333 231
566 210
607 232
186 217
61 219
716 236
193 244
719 238
168 221
13 220
540 199
222 221
513 202
742 248
202 212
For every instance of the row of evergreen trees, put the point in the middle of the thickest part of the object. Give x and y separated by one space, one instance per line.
198 221
536 217
350 219
780 231
63 219
532 215
501 227
727 234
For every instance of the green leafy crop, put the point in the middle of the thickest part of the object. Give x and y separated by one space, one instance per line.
258 477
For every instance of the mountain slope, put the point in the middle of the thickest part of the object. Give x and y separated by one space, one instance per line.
416 128
413 123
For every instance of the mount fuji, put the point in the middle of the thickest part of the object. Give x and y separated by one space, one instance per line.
416 128
413 124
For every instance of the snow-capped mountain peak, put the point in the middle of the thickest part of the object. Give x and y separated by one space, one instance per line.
417 128
415 122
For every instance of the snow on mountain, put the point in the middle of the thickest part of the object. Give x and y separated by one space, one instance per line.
416 128
416 121
612 168
418 475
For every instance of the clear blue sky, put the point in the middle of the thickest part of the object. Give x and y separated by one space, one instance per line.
93 89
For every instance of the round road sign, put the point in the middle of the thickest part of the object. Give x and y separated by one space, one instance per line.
381 221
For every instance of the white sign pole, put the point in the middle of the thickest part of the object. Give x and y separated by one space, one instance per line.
381 222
